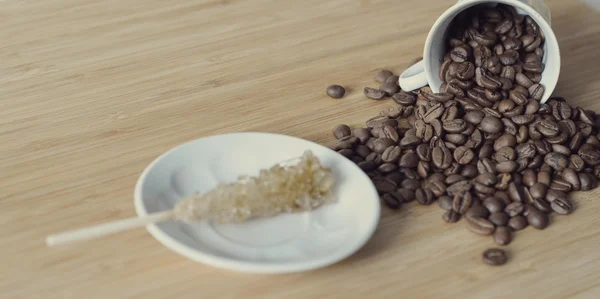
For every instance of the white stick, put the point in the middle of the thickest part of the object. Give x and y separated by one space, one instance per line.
101 230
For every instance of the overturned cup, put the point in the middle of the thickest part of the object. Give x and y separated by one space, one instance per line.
426 72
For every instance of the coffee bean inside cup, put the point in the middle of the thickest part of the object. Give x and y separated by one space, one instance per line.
483 147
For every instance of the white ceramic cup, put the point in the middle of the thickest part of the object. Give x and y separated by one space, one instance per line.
426 71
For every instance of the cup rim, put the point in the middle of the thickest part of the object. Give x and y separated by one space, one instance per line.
465 4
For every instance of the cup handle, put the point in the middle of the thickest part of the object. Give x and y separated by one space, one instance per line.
413 77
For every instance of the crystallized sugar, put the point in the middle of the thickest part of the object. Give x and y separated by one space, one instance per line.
279 189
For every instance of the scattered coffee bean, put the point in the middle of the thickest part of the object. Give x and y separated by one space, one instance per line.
336 91
389 88
495 257
518 222
537 219
382 75
499 218
424 196
480 225
341 131
445 203
451 216
374 94
502 235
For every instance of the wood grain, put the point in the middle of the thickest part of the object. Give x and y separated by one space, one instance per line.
93 91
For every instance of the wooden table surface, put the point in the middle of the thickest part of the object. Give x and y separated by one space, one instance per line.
92 91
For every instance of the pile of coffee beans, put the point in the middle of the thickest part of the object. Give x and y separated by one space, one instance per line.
484 148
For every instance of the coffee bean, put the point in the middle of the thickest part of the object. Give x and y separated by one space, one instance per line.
454 126
506 166
523 80
335 91
477 211
589 154
491 124
586 181
504 141
441 157
561 110
536 91
439 177
445 203
412 184
516 192
382 75
576 162
480 225
570 176
518 222
456 139
433 113
391 154
514 209
538 190
462 203
529 177
453 178
392 79
459 188
522 134
505 154
377 121
387 168
451 217
552 195
395 177
405 98
346 152
547 127
469 171
463 155
499 218
474 117
502 235
410 139
562 206
541 205
381 144
390 133
536 162
407 194
346 142
437 187
537 219
557 161
367 165
523 119
486 165
341 131
560 185
391 201
494 204
362 134
374 94
424 196
495 257
543 147
424 152
389 88
459 54
410 160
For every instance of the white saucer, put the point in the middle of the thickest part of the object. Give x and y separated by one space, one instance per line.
282 244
